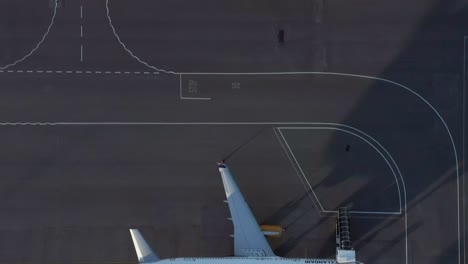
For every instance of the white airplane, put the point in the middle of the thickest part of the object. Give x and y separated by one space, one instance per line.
250 244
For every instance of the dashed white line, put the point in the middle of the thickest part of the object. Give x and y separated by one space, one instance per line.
340 74
78 71
81 33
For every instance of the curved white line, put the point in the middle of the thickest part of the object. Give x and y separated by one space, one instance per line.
386 81
363 139
333 74
317 73
38 44
128 50
399 172
401 178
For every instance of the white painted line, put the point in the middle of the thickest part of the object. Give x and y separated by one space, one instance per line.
180 86
39 71
49 71
394 163
58 71
29 71
196 98
89 72
137 72
356 135
169 123
81 33
98 72
107 72
117 72
19 71
127 72
10 71
38 44
310 187
69 71
79 72
366 212
314 200
300 169
463 150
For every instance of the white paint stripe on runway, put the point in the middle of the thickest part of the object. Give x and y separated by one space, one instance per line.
465 38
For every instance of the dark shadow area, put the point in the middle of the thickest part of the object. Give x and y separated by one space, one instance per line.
430 64
389 246
291 243
285 211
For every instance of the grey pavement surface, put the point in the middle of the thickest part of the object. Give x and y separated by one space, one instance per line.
93 147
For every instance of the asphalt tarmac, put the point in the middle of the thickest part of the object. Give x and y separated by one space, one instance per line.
114 114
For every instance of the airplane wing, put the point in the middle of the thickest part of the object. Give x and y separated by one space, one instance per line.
249 241
144 252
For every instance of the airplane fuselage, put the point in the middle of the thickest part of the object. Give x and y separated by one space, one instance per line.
246 260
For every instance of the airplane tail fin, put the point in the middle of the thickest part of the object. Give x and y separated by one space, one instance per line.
143 250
